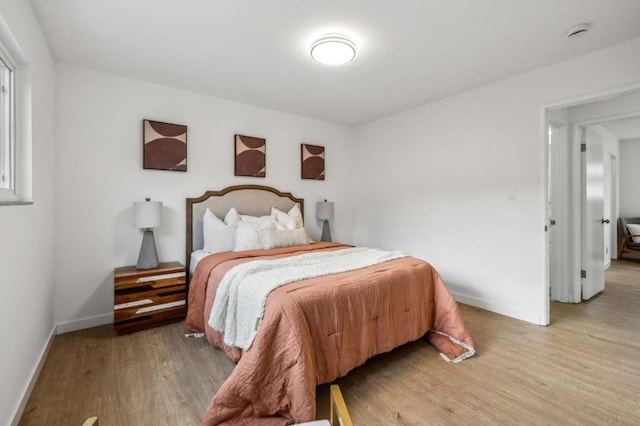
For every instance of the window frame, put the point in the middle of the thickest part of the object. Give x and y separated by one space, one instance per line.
8 194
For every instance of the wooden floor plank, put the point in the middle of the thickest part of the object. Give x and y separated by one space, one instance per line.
583 369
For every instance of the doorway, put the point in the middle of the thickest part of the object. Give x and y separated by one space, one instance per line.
578 250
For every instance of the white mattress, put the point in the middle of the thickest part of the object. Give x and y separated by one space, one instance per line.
196 256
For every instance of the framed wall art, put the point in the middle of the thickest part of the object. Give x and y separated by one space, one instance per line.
164 146
312 161
250 156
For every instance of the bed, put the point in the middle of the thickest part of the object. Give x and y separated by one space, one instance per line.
315 326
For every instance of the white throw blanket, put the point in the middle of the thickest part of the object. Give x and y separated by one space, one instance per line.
242 293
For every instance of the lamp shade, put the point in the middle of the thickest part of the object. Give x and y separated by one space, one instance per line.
148 214
324 210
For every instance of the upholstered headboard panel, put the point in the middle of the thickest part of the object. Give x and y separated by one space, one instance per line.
255 200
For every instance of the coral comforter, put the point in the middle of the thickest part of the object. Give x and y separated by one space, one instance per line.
318 329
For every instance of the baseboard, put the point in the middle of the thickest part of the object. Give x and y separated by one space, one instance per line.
498 308
34 378
82 323
56 329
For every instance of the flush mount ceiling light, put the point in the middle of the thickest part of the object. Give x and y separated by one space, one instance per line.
333 50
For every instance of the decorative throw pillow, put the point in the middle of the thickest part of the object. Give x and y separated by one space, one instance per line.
248 218
282 218
289 220
295 213
285 238
250 235
232 217
261 220
218 236
634 229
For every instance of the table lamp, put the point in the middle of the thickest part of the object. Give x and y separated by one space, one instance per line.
148 215
324 212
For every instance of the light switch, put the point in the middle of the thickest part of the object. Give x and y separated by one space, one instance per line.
512 193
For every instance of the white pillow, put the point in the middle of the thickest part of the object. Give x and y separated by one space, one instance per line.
250 235
218 236
290 220
634 229
284 238
232 217
255 219
295 213
283 219
263 222
247 218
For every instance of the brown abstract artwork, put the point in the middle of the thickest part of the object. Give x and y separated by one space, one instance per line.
251 156
165 146
312 157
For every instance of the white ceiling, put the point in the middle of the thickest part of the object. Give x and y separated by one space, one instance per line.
626 129
410 51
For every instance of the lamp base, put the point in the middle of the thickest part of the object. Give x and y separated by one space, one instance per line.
326 231
148 257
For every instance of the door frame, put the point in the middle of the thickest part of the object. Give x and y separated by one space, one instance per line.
575 201
558 290
614 204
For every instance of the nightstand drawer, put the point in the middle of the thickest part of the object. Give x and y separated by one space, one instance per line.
127 308
126 296
155 281
148 298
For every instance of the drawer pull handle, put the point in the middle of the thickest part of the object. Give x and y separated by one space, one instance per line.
132 304
161 306
160 277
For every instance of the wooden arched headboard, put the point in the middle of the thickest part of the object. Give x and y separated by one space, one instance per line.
255 200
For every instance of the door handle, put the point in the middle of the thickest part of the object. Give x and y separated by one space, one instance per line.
604 221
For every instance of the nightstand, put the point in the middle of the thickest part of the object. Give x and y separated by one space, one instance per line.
145 298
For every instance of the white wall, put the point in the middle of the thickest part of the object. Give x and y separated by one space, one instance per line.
100 175
629 178
434 180
27 232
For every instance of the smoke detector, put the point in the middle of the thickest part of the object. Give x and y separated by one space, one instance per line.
577 30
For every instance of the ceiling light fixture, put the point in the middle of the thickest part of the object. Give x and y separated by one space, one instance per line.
333 50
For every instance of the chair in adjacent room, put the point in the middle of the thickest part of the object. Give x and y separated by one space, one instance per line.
629 237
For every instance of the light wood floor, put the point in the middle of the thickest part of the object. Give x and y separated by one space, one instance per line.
583 369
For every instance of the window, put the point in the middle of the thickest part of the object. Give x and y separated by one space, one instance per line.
16 176
7 124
